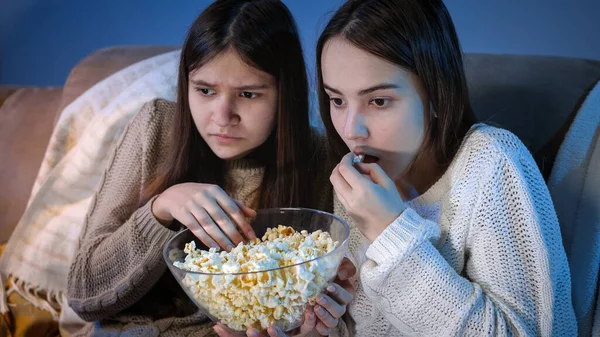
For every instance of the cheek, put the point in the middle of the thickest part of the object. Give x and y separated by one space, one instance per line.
338 120
403 129
199 111
260 120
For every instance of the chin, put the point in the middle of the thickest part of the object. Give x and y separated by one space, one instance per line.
231 154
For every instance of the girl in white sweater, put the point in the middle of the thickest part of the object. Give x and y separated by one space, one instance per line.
454 232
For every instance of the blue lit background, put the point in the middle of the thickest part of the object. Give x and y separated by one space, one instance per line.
41 40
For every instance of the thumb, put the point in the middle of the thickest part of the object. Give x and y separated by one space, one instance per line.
256 333
376 173
310 321
247 211
346 269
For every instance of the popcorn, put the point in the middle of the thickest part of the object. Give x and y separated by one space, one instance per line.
265 297
358 159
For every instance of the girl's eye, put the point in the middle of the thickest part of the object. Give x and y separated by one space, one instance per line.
337 102
250 95
205 91
380 102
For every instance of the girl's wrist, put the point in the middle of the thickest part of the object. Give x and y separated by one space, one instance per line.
158 211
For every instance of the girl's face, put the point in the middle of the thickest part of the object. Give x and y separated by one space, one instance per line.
378 108
234 106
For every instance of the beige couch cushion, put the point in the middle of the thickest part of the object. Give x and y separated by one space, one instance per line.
103 63
26 120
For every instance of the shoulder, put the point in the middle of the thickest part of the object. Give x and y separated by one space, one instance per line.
157 113
486 145
492 157
151 126
149 132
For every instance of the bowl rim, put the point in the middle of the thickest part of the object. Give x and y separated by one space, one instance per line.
264 210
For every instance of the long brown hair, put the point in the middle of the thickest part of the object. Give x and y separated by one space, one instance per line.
264 34
418 36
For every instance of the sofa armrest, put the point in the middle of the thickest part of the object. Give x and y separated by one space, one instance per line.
26 123
5 92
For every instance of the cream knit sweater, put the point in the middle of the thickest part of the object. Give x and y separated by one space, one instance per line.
478 254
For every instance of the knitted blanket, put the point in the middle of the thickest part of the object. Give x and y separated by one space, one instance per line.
40 250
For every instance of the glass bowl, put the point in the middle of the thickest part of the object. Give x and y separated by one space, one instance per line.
271 297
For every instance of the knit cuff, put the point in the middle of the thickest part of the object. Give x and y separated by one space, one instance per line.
401 236
149 227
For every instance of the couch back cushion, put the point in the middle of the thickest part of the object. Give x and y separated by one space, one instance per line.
535 97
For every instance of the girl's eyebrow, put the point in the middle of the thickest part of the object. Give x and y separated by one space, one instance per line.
363 92
202 83
381 86
335 91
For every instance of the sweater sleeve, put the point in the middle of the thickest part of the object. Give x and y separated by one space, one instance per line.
515 281
119 259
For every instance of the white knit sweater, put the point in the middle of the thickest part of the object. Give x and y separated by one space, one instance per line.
478 254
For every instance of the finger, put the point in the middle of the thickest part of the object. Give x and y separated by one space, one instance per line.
247 211
209 202
322 329
363 173
310 321
206 221
275 331
340 184
325 316
190 221
346 285
334 308
223 331
252 332
376 173
340 294
342 199
349 172
233 215
220 332
346 270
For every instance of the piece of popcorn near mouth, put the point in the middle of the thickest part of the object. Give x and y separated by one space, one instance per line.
358 159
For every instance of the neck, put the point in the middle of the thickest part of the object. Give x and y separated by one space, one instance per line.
422 174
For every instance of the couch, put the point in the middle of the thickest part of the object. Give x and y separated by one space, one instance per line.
535 97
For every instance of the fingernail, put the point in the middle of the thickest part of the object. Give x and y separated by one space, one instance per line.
320 310
253 333
342 274
331 288
229 247
321 299
251 235
217 329
311 316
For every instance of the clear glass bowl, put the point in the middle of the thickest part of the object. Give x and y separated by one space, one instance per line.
277 297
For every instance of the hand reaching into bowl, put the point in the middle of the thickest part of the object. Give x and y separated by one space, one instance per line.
215 218
318 320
